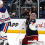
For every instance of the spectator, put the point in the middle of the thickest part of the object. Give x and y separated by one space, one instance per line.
14 5
44 12
22 2
30 12
29 3
15 1
34 11
25 13
9 5
14 15
41 13
4 1
34 1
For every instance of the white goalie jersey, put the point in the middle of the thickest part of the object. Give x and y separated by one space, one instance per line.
4 16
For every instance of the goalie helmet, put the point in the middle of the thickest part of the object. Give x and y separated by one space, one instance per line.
33 16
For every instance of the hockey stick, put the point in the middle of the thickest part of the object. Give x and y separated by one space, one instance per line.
21 31
18 35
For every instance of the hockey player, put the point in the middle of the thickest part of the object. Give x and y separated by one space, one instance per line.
31 30
4 19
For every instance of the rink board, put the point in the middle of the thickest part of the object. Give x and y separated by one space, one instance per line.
15 26
18 31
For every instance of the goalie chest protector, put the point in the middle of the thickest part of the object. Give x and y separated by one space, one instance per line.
29 31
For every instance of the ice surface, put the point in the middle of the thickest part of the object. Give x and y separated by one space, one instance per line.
12 38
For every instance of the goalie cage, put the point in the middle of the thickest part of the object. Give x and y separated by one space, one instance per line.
30 42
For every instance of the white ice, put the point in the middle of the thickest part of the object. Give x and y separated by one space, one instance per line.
12 38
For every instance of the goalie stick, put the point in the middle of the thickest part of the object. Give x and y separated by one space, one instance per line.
21 31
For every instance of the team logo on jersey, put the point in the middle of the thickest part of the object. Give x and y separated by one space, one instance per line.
3 16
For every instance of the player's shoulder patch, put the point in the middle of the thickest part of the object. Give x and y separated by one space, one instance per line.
33 20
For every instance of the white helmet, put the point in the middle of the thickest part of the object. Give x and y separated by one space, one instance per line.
1 2
33 14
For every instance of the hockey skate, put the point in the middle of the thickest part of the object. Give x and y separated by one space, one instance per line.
7 44
2 43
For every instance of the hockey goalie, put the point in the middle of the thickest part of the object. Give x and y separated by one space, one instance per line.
4 22
31 30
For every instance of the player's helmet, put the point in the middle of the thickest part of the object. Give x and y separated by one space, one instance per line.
1 2
33 16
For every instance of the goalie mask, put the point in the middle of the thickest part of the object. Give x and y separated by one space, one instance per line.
33 16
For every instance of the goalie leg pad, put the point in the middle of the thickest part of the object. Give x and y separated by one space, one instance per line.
26 38
23 43
33 44
35 37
